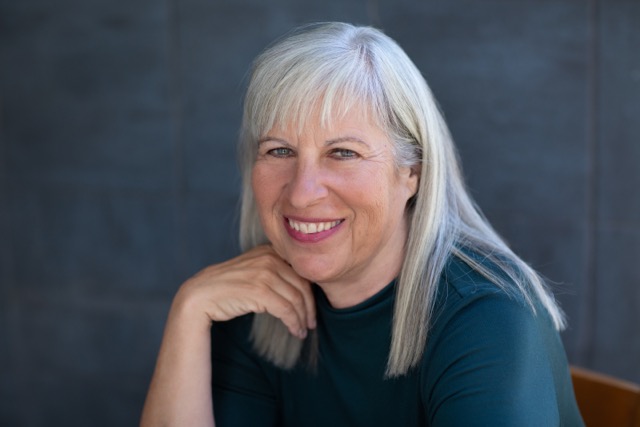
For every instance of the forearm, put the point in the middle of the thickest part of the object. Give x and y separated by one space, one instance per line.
180 390
256 281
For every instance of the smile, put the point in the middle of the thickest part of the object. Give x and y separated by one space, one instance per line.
312 227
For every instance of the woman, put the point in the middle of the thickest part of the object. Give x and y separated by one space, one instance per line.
372 291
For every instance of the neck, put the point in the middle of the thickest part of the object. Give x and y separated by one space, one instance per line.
362 285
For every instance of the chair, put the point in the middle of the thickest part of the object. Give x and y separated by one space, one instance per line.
605 401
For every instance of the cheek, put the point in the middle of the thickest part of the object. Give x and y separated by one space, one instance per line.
385 200
371 199
260 181
266 187
260 189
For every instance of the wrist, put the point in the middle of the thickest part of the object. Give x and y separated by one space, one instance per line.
187 309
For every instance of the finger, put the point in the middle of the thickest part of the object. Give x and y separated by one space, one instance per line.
303 286
283 309
263 271
295 296
304 301
279 296
281 279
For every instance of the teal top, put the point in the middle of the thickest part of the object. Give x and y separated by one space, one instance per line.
489 361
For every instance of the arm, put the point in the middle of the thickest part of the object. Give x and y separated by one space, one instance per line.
258 281
180 390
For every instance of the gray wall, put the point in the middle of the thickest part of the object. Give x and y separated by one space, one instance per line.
118 180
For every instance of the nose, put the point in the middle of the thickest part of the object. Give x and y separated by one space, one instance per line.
307 185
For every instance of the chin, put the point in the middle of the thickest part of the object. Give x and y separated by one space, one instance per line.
313 271
313 275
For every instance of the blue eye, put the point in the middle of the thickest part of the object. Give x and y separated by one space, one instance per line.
280 152
343 154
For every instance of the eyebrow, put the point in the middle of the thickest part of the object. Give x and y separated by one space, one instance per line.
347 139
271 138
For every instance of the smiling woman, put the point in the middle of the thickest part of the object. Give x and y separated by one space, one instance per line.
371 291
332 203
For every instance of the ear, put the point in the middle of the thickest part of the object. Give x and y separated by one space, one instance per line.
411 179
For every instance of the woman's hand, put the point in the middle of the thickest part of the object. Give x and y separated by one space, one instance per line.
257 281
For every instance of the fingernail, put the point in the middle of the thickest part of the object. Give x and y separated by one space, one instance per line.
302 333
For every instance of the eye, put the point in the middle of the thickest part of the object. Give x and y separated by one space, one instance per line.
280 152
343 154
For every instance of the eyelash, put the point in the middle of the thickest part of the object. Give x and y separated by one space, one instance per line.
278 152
343 154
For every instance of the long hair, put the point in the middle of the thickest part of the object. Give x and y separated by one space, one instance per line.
334 66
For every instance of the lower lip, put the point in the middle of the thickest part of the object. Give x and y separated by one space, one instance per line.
313 237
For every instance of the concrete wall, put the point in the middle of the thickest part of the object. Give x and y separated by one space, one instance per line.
118 180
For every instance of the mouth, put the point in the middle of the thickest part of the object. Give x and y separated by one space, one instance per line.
312 227
311 231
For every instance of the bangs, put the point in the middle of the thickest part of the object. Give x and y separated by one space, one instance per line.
312 85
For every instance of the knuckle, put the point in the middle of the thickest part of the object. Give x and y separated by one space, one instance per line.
297 298
265 263
288 310
264 275
261 289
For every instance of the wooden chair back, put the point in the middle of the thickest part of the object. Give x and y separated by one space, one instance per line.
605 401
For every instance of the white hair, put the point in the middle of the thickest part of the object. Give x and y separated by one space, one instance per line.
333 67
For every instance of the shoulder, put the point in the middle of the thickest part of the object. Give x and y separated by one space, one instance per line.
467 301
461 285
471 310
487 346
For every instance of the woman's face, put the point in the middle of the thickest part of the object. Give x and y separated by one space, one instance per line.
332 202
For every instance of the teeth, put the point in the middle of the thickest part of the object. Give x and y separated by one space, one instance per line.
312 227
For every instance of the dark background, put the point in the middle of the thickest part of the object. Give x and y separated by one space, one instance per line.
118 178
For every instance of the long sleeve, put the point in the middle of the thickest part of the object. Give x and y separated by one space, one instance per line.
242 395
